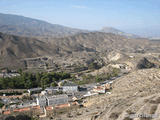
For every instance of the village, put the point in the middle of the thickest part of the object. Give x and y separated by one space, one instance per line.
43 102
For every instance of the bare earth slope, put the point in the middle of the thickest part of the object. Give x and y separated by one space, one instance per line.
135 93
14 48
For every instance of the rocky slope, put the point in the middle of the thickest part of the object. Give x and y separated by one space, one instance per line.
13 49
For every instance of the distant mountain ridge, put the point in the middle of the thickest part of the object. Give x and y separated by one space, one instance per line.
111 30
24 26
118 32
29 27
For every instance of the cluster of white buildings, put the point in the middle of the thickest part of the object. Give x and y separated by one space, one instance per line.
100 89
54 95
9 75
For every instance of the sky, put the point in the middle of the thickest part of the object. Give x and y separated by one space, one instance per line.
134 16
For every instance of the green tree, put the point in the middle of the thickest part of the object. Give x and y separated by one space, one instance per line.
1 104
93 66
115 72
53 84
20 71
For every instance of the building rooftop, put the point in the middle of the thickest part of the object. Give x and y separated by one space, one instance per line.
52 88
34 89
57 96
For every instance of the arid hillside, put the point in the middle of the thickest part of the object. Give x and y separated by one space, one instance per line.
135 93
103 42
13 49
80 49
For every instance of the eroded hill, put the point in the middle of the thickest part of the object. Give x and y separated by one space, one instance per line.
13 49
72 51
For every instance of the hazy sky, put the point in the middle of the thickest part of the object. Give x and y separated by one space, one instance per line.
131 15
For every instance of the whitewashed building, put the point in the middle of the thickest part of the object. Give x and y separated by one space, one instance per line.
34 90
57 99
70 87
52 100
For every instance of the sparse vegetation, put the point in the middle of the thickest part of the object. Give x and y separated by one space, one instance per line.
19 117
94 65
145 63
127 118
153 109
114 115
80 68
98 78
157 101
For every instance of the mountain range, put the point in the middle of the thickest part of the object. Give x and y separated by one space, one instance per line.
118 32
29 27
